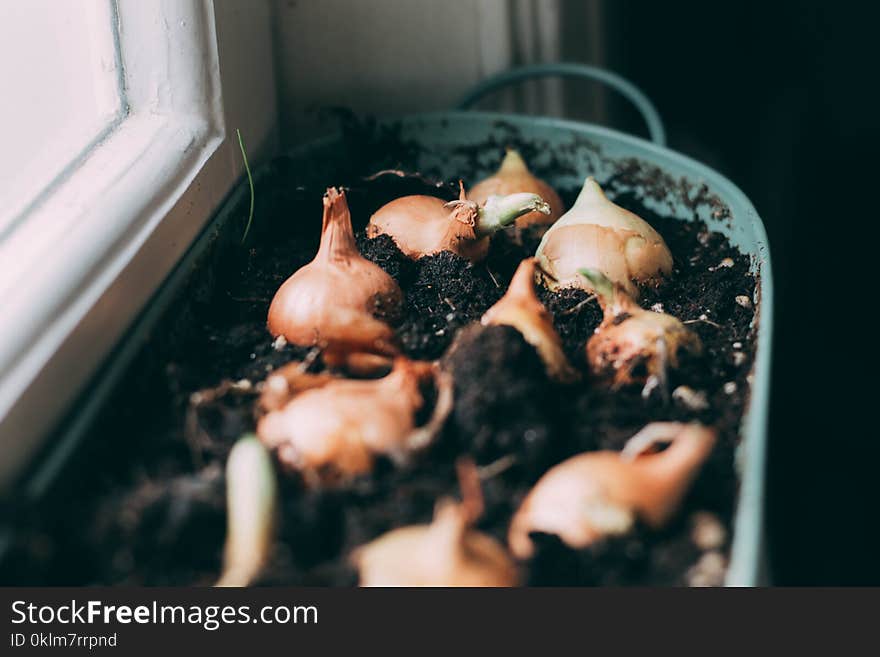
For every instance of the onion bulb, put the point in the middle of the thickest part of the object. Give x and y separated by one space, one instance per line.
289 380
631 344
332 302
336 427
514 176
521 309
600 494
423 225
251 507
598 234
447 552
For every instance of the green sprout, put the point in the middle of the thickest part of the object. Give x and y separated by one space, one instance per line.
602 286
250 178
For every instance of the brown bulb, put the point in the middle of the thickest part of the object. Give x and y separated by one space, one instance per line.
424 225
595 495
335 428
514 176
332 302
634 345
447 552
521 309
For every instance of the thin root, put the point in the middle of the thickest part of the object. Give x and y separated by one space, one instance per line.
195 436
403 174
663 367
471 491
497 466
310 358
492 276
649 438
579 305
702 319
650 385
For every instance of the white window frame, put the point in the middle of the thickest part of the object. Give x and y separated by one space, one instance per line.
86 259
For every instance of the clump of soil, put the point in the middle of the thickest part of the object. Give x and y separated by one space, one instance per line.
448 293
144 502
504 403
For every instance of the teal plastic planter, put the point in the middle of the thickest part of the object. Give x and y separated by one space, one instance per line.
680 186
676 185
565 153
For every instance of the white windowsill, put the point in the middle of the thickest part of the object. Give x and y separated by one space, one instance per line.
87 259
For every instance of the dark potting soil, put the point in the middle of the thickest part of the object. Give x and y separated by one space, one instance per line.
152 508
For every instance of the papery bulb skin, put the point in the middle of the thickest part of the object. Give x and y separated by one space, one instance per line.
333 301
444 553
521 309
595 495
653 340
578 501
601 235
514 176
632 344
425 225
448 552
336 429
289 380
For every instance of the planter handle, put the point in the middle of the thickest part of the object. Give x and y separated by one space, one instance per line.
571 70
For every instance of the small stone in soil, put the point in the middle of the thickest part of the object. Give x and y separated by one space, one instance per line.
724 264
707 531
691 399
708 571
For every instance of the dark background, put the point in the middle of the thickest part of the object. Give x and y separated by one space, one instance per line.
779 97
